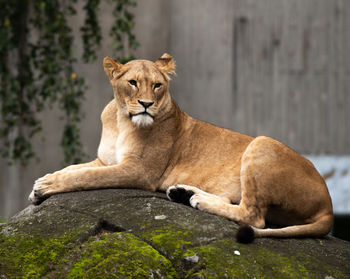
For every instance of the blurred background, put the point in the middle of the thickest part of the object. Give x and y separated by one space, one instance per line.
278 68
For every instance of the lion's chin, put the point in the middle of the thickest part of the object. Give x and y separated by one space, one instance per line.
142 120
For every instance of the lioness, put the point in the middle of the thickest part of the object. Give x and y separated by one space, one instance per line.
149 143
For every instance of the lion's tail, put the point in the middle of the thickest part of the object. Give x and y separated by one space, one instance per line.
320 227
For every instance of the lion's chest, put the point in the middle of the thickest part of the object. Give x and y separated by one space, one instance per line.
114 147
123 146
107 151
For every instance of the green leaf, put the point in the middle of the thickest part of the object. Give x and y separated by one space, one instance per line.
45 73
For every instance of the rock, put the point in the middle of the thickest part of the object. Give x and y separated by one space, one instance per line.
118 233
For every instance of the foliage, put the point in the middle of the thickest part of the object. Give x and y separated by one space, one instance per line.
121 31
38 68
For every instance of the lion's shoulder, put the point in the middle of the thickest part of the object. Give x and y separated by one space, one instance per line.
109 112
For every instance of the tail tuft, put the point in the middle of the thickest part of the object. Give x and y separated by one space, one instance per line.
245 234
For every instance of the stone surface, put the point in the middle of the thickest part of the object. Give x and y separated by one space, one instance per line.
135 234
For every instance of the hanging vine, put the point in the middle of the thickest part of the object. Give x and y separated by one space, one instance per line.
38 68
124 40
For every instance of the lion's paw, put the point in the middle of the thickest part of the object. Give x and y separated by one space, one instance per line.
200 201
179 194
35 199
42 188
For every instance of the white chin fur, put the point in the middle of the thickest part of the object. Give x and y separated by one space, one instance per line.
142 120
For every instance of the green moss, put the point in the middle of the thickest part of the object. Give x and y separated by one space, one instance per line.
218 260
170 241
312 263
23 256
123 255
120 255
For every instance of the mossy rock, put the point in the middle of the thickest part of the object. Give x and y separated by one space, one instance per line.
118 233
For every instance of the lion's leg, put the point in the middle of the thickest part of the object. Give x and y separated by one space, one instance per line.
87 178
36 199
182 194
253 204
241 213
213 204
95 163
251 209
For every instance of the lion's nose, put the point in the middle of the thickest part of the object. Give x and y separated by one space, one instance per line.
145 104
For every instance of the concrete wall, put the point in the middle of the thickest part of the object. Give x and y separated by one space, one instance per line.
263 67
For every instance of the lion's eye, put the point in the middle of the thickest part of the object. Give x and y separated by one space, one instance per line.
133 82
157 85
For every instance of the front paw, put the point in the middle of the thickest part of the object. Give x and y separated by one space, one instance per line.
43 188
35 199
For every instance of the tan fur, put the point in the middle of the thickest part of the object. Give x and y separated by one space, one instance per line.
245 179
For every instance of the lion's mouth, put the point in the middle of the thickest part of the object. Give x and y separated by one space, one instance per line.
131 115
142 119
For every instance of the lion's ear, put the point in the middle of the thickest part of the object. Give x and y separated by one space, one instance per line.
166 64
111 66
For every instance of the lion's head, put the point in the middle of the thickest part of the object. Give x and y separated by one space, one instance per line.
141 87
